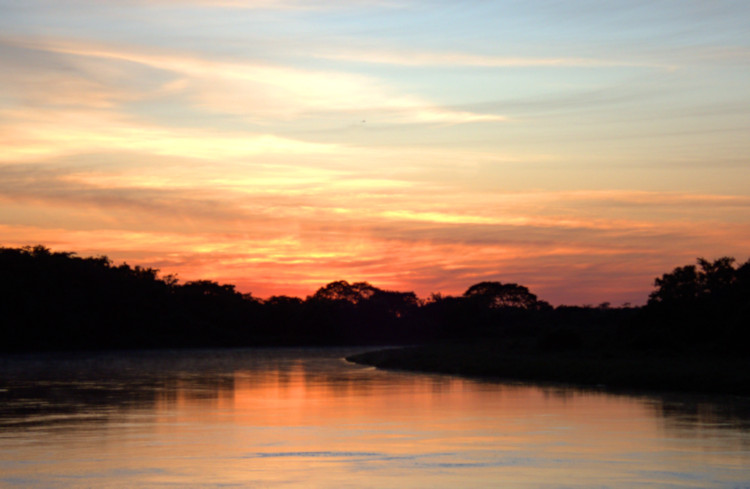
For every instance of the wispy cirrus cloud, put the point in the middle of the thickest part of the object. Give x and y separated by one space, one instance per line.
282 5
259 91
459 59
33 134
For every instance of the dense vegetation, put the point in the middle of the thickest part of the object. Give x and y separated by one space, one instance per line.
57 300
702 306
693 335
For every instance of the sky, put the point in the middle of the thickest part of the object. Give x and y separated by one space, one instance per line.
579 148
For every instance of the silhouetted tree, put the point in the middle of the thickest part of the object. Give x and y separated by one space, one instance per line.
342 290
497 295
57 300
716 281
702 304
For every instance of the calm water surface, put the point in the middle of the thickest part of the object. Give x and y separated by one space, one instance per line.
309 419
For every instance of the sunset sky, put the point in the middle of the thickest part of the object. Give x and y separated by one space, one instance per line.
579 148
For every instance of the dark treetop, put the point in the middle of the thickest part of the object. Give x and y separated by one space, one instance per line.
57 300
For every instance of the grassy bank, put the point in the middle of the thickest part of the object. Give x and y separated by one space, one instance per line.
620 370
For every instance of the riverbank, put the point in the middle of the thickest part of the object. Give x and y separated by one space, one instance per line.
611 370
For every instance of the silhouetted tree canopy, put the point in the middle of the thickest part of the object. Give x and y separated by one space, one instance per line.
283 301
57 300
344 291
714 281
497 294
707 303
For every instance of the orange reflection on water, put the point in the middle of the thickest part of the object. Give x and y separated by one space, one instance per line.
306 418
292 420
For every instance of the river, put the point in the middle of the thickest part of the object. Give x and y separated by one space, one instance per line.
306 418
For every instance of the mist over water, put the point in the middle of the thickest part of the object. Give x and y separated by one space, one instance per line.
307 418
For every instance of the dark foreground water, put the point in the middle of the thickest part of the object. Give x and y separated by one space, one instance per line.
309 419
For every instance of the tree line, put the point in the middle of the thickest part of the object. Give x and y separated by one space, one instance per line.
58 300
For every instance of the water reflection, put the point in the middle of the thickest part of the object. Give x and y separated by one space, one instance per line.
306 418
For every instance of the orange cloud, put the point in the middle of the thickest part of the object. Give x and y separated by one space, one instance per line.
561 265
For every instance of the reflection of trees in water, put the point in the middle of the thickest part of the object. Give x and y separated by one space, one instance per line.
683 415
46 389
702 417
55 389
62 389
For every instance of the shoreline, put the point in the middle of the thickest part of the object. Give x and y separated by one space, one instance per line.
698 374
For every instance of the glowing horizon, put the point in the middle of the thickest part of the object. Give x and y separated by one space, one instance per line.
579 149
